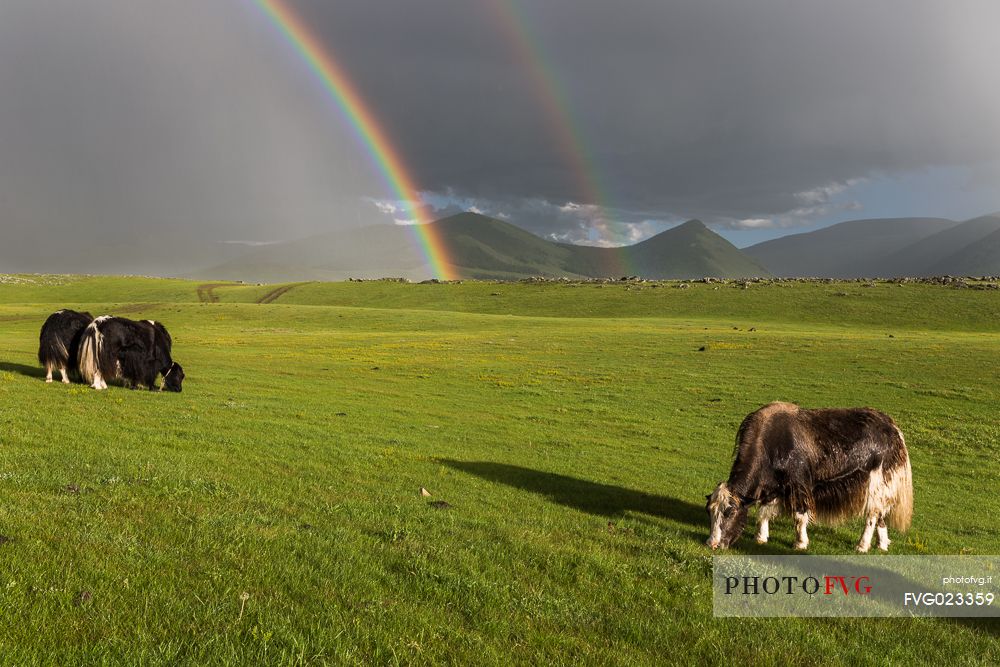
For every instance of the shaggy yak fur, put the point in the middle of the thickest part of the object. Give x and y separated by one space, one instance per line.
823 465
59 342
135 352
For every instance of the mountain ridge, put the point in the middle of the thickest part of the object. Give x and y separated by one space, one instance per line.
886 248
476 246
480 247
850 249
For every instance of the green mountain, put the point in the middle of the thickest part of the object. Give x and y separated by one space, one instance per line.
477 246
482 247
692 250
853 249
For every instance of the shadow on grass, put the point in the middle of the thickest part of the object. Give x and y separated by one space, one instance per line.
21 369
613 501
609 501
593 497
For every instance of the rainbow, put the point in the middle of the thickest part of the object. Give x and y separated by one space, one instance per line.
362 119
553 100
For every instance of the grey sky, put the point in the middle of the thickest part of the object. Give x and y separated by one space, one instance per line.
124 118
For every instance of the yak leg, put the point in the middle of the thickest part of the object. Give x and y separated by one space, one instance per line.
800 501
48 373
866 537
99 382
766 513
883 534
65 375
801 522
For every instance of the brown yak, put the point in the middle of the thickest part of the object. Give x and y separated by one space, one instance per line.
824 465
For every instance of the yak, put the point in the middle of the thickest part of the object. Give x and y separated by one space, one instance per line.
823 465
135 352
59 342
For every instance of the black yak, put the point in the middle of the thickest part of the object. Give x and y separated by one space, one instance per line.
59 342
135 352
819 465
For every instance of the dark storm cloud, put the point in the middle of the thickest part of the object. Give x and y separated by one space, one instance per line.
722 110
154 129
135 122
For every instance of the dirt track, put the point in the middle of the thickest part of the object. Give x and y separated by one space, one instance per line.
276 294
206 292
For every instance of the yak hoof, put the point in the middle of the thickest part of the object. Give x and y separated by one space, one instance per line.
801 546
48 380
64 380
761 540
862 549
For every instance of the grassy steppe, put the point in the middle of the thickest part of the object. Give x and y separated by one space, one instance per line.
572 430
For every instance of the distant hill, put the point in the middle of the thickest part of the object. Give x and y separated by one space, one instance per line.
853 249
940 253
478 246
971 248
691 250
979 258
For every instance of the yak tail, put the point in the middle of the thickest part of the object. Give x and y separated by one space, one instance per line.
901 483
90 352
51 350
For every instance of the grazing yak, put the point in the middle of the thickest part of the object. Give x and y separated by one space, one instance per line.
135 352
819 465
59 342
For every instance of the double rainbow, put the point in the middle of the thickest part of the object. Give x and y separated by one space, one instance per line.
388 161
552 97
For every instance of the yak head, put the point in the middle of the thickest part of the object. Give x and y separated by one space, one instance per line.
173 378
727 515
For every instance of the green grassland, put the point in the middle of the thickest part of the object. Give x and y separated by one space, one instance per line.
271 512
